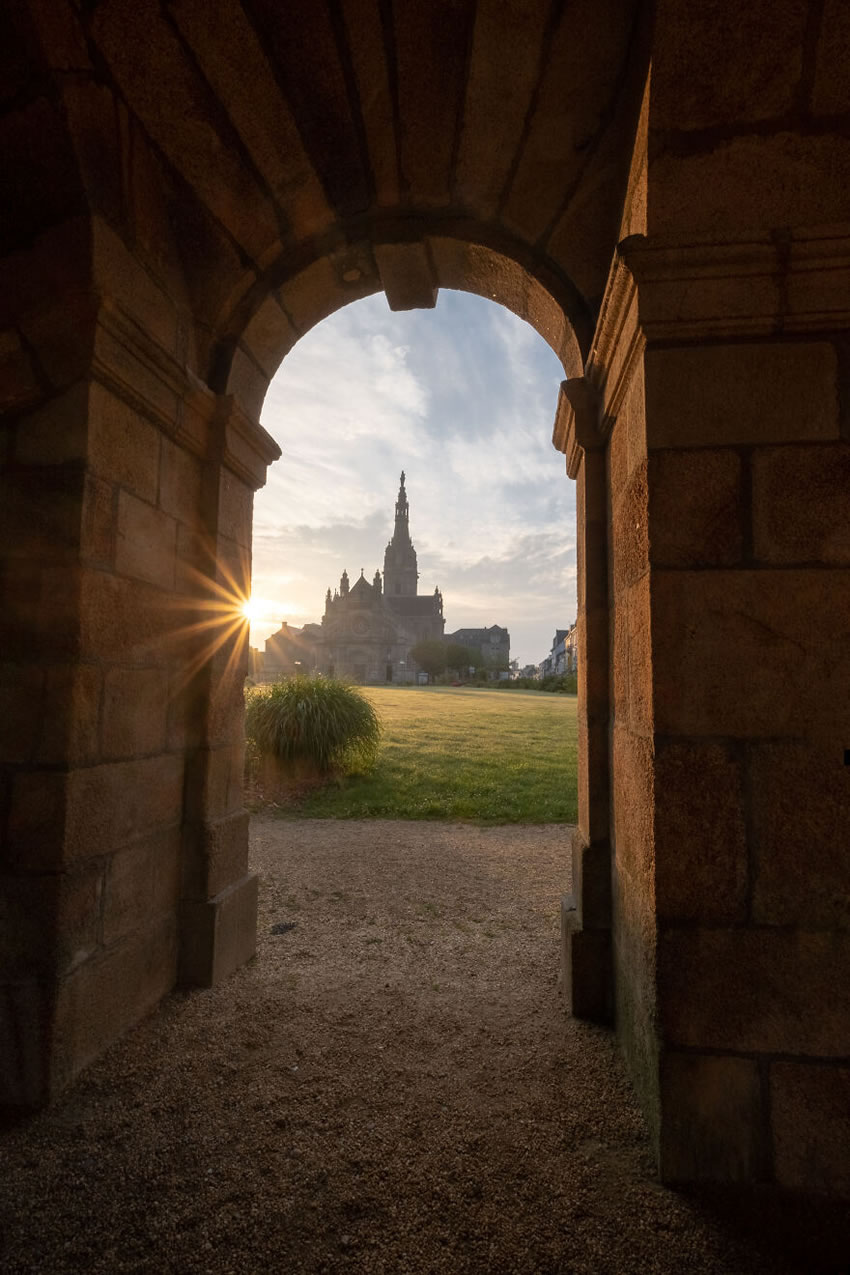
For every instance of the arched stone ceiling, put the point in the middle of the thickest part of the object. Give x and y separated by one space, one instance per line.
243 143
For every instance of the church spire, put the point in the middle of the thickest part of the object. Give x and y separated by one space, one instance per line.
400 567
402 511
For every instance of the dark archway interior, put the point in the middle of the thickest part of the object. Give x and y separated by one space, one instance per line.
662 193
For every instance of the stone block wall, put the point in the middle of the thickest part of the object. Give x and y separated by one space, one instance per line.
631 737
126 508
750 670
727 604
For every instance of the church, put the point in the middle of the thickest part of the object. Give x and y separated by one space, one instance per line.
368 629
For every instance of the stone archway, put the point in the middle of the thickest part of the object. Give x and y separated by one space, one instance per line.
181 217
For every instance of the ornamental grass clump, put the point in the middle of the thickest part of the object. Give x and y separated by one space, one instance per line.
313 726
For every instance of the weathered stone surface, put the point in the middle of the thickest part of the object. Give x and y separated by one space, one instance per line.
36 821
633 777
563 120
215 855
41 513
135 708
407 275
269 336
793 999
716 65
237 66
123 447
696 513
145 543
218 936
247 382
631 659
635 987
831 91
125 279
701 862
707 396
507 49
801 504
591 881
70 732
111 805
106 995
126 621
734 652
585 967
745 187
712 1119
800 817
180 484
141 885
183 122
21 688
630 530
56 432
51 922
364 28
430 95
235 509
214 782
97 532
810 1110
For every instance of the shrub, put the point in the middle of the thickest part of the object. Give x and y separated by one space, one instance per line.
559 683
319 722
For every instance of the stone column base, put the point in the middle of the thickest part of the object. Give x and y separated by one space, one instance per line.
586 967
218 935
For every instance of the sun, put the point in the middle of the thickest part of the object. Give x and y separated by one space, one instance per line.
250 610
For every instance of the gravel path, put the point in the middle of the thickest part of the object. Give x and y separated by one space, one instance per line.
392 1086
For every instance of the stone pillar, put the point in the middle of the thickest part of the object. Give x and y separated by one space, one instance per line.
218 893
586 912
123 845
746 392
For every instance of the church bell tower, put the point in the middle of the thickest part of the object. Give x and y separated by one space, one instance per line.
400 568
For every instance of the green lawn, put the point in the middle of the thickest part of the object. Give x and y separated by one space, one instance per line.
456 753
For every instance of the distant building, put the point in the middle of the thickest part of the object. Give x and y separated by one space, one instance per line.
291 651
369 627
562 656
256 663
492 645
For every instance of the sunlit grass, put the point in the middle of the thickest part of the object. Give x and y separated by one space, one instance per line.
447 753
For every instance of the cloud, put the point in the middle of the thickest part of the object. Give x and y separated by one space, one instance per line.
463 399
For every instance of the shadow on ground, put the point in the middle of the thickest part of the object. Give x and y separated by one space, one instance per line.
391 1086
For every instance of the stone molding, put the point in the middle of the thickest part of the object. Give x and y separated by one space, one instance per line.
175 400
618 341
794 282
660 291
248 448
577 427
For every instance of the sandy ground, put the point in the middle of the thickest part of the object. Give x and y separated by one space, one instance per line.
391 1086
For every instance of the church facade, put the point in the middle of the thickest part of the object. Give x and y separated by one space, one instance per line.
368 628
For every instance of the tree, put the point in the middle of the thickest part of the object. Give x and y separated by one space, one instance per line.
430 655
459 657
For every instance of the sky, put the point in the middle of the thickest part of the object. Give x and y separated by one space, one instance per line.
462 398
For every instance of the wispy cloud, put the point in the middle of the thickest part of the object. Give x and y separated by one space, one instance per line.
463 399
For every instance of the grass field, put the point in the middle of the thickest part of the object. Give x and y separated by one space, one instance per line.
447 753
